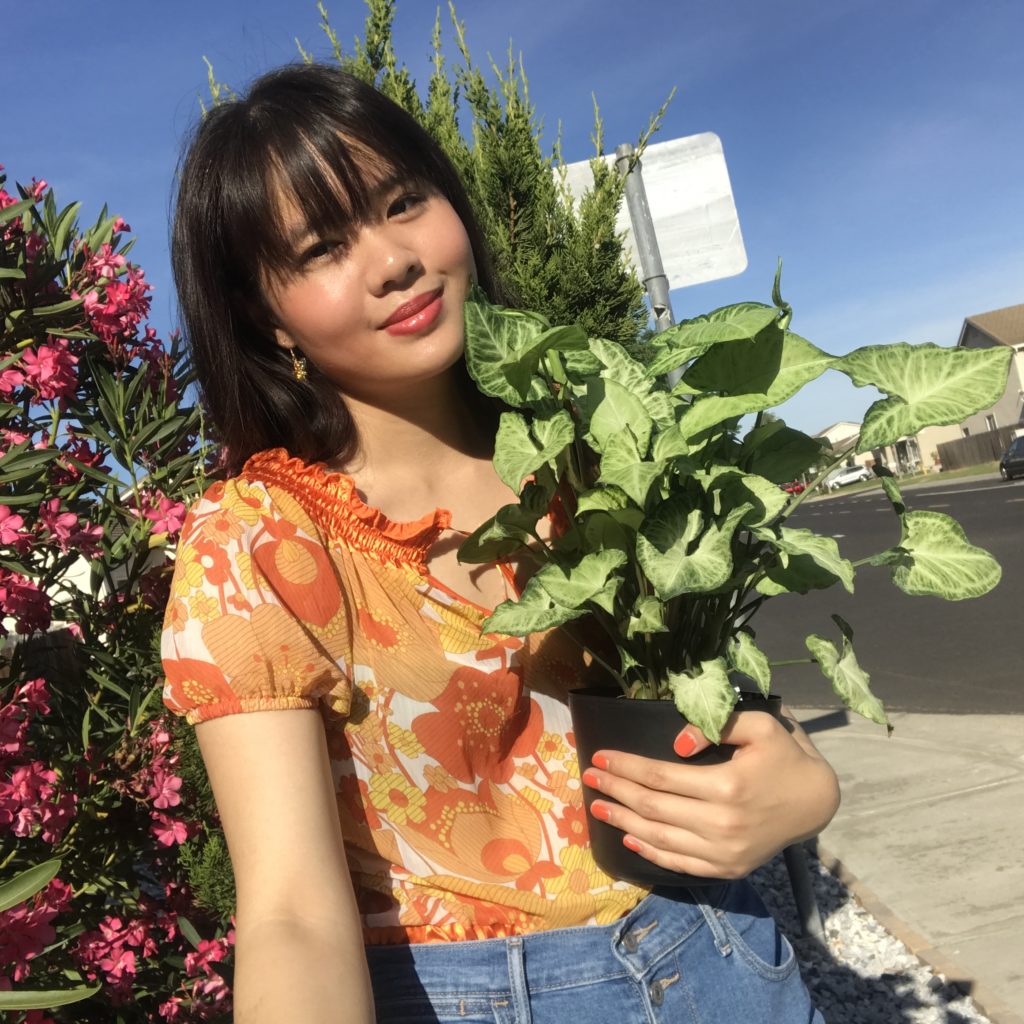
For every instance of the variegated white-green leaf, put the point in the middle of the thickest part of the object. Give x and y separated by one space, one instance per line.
822 550
746 657
894 494
573 588
623 467
928 386
493 336
705 698
617 409
692 338
520 450
799 363
647 616
601 499
671 443
766 499
942 561
533 612
619 366
848 679
663 549
778 452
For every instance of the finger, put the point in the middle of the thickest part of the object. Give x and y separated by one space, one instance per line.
690 741
684 863
753 726
701 782
643 803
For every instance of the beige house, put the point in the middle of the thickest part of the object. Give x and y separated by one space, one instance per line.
985 330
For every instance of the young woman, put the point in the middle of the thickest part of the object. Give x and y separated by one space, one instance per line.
404 815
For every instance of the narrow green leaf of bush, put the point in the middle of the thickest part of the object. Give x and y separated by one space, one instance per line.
850 682
15 210
189 931
45 1000
27 883
743 655
942 561
663 549
927 385
705 698
12 273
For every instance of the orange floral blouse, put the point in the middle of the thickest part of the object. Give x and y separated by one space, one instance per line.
458 787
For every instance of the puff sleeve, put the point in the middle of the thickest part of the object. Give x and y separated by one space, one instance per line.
256 619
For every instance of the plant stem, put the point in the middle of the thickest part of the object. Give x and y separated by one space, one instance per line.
793 661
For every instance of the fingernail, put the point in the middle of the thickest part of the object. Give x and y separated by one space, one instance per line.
684 745
630 843
601 811
590 779
600 761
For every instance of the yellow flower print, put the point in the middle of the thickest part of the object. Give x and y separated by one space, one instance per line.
245 501
395 799
189 571
244 562
203 607
404 740
438 778
580 875
566 788
551 746
177 615
222 526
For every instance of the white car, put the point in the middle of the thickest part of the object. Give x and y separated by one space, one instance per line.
848 475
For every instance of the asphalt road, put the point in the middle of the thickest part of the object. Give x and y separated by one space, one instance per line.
923 653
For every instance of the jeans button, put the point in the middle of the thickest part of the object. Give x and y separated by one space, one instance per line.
656 993
629 941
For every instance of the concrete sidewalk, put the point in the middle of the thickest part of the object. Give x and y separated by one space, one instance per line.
930 837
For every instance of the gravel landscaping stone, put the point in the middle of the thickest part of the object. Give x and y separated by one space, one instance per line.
866 975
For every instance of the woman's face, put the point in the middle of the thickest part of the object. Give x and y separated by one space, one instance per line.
384 308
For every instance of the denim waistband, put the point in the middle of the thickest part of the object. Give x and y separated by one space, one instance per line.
551 959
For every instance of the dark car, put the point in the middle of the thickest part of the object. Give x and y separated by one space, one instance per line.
1012 462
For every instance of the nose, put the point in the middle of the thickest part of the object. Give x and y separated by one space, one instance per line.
392 262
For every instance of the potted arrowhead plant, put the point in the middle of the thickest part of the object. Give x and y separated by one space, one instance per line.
678 525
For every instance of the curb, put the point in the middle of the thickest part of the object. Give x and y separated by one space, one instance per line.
987 1002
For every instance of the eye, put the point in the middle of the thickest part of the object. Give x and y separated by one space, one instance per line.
405 203
319 250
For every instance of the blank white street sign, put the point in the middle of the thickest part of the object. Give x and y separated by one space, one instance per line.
690 199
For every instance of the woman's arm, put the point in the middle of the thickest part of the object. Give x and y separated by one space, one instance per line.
298 940
720 820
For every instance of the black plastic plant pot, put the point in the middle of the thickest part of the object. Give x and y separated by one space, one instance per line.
606 720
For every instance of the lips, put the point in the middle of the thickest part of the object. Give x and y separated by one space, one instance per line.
407 314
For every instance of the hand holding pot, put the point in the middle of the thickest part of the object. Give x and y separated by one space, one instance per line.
719 820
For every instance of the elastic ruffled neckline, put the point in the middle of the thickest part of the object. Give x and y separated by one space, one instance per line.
331 498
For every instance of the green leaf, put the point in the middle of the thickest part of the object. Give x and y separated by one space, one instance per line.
520 451
743 655
942 562
601 499
15 210
778 452
893 493
765 498
617 409
40 999
27 883
590 576
493 337
705 698
647 616
799 363
533 612
848 679
927 385
622 467
692 338
822 550
13 273
669 556
188 929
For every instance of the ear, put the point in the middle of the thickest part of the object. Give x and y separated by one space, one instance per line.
283 339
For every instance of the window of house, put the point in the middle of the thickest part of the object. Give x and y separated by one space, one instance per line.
990 422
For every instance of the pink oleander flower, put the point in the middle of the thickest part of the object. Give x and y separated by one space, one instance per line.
87 540
78 448
168 831
12 533
9 380
9 438
13 727
120 226
105 263
163 789
56 816
167 516
35 696
24 602
38 188
59 524
26 930
50 370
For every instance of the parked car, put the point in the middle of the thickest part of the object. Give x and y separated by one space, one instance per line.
848 475
793 487
1011 463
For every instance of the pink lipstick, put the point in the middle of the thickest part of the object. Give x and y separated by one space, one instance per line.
415 315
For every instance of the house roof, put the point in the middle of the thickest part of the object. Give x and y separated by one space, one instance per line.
855 427
1004 326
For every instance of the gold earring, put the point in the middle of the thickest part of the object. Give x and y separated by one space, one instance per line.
298 366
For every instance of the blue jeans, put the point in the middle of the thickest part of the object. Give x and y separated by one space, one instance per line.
710 956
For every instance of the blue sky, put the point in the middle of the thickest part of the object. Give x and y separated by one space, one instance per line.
876 146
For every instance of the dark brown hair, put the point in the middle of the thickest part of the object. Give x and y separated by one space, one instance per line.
308 127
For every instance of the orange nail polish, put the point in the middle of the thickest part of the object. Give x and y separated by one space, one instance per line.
600 761
590 779
601 811
684 744
630 843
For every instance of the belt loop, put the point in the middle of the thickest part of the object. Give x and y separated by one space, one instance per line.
713 916
517 980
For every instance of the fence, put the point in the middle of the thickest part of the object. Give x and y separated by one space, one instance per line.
969 451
